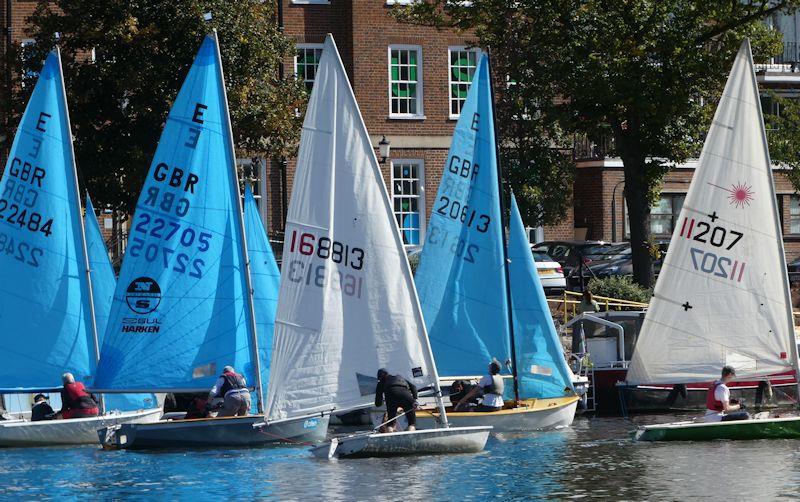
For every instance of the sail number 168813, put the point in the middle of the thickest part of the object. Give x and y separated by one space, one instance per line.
325 248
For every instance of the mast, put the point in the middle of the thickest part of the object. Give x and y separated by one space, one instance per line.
786 291
505 242
84 247
245 256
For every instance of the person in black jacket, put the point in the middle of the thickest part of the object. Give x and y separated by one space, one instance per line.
41 410
399 393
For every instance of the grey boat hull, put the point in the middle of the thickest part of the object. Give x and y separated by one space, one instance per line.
420 442
212 432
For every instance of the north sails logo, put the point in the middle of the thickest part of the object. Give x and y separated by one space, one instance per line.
143 295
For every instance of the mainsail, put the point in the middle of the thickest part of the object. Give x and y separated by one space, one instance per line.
265 279
46 324
347 303
180 311
461 277
541 367
722 296
104 282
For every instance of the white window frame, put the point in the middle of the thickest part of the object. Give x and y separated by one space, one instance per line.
420 163
420 105
311 2
460 48
306 46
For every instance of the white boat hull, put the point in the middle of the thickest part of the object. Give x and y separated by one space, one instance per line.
419 442
206 432
68 432
542 414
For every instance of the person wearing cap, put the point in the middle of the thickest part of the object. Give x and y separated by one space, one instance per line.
399 393
492 386
719 405
41 409
232 388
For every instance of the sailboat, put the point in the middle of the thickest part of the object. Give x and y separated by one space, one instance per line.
480 302
184 305
347 304
47 321
722 297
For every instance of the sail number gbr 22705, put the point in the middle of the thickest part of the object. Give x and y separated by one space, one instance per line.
327 250
718 236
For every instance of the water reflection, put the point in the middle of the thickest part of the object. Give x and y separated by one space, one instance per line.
595 458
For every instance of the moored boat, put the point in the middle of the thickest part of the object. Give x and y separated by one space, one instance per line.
347 303
185 303
722 297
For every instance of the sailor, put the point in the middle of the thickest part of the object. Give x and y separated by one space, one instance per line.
75 401
720 406
41 409
399 393
492 386
461 388
231 387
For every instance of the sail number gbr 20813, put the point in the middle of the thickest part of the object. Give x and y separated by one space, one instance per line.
716 263
328 251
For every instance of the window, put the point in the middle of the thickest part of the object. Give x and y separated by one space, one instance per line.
463 63
306 62
794 214
663 215
29 73
405 81
306 2
408 197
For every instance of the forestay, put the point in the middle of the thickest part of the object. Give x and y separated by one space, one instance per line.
45 321
104 283
180 308
541 367
722 296
347 303
461 277
265 279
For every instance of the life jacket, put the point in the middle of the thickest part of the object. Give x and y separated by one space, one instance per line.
497 386
77 396
711 401
233 381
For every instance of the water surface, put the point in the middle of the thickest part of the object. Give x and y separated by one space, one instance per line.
594 459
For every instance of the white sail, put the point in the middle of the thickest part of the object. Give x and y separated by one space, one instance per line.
722 296
347 304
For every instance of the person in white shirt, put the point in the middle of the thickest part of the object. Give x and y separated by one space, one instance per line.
492 386
719 405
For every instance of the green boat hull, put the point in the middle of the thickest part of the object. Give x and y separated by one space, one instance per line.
770 428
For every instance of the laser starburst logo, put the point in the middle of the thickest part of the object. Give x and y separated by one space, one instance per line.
739 194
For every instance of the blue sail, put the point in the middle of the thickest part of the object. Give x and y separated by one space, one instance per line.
541 367
265 278
461 279
103 285
180 308
45 322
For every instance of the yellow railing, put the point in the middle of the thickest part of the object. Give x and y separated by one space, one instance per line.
570 306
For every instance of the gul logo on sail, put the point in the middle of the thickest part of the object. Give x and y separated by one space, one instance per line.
143 296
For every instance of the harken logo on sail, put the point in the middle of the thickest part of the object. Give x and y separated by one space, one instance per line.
143 295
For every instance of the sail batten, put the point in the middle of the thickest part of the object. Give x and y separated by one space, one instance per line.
716 301
347 303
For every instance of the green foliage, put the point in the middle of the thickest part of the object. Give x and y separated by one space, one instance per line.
413 262
142 52
783 134
644 75
620 287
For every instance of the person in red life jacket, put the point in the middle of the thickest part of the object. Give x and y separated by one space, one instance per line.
231 387
75 401
720 406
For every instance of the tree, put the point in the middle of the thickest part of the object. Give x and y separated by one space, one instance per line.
124 61
645 73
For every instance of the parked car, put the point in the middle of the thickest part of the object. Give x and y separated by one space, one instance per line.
623 263
550 273
794 270
571 254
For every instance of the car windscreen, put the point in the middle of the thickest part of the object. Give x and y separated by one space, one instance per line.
540 257
606 251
